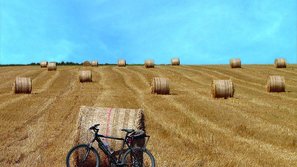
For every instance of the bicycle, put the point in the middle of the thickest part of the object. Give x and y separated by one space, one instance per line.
134 156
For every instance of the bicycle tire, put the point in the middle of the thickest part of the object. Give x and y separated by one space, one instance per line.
138 164
87 148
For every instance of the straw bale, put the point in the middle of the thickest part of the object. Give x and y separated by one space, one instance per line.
222 89
275 84
94 63
111 121
43 64
160 86
52 66
122 63
280 63
22 85
149 64
85 76
235 63
175 61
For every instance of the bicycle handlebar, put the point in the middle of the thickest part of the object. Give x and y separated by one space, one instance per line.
128 131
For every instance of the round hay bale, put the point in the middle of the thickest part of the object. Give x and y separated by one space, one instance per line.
275 84
149 64
94 63
22 85
280 63
111 121
52 66
43 64
222 89
85 76
175 61
160 86
86 63
122 63
235 63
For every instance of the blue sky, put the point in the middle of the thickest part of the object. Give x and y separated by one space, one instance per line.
196 31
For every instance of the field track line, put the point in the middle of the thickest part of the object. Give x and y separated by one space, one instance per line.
258 73
258 102
11 81
262 91
72 113
268 147
11 69
225 76
128 85
141 100
18 97
158 121
4 104
39 118
22 73
229 73
43 88
102 85
44 115
111 82
48 102
40 75
201 73
284 70
48 83
242 108
123 78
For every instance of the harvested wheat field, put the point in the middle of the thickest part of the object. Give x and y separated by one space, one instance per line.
188 127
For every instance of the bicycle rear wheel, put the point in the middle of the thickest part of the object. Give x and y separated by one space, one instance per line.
82 156
138 157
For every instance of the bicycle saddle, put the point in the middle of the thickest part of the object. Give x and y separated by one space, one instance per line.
128 130
138 134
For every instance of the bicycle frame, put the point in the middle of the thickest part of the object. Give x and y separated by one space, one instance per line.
97 137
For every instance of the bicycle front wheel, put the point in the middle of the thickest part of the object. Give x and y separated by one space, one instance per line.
138 157
82 156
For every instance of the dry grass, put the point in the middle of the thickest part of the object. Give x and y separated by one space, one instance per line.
187 128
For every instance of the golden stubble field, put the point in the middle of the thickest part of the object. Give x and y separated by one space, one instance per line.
187 128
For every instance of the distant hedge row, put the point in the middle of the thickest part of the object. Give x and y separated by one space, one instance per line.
58 63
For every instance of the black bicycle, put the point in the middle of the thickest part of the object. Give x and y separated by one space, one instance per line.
135 154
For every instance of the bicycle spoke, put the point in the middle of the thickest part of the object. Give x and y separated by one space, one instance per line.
86 155
138 158
82 156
